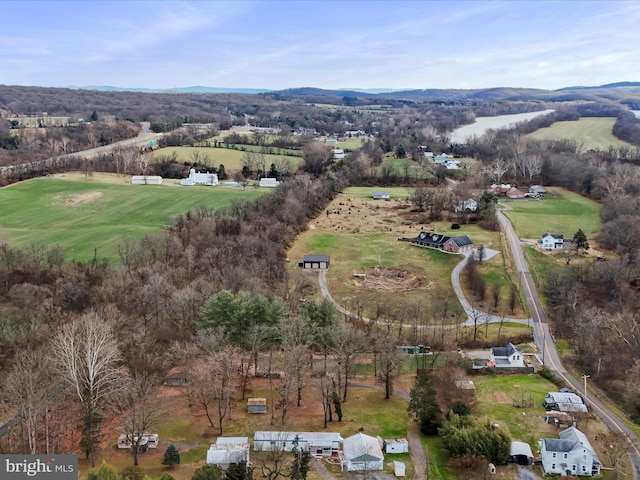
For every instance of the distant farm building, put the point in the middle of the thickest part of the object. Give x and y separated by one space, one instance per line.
380 195
146 180
268 182
315 262
564 402
257 405
338 153
198 178
469 205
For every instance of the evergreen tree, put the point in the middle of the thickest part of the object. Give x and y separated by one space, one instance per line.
94 116
222 173
300 467
239 471
580 241
171 456
208 472
400 152
423 406
337 404
167 476
105 472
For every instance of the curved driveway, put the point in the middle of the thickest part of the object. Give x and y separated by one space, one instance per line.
544 341
541 334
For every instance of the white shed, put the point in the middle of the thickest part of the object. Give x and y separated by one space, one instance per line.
396 445
224 454
399 468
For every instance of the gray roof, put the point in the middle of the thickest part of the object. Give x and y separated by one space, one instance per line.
506 351
226 453
316 258
232 440
462 240
520 448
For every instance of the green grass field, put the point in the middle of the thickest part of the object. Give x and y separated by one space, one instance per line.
364 253
562 212
593 133
81 215
230 158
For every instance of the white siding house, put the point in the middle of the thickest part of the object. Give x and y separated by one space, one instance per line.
396 445
551 241
361 452
571 454
507 356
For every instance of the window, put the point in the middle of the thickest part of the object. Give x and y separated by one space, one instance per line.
584 468
553 466
565 455
553 455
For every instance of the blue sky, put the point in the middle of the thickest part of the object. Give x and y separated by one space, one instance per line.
327 44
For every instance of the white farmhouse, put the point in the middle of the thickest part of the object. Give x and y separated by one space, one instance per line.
571 454
507 356
551 241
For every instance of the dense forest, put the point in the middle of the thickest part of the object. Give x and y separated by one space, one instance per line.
157 301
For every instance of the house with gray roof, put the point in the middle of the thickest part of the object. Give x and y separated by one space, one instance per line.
315 262
459 244
508 356
571 454
551 241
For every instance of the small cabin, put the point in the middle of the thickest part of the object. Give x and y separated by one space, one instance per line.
257 405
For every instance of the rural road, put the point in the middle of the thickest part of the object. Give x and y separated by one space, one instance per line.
541 334
544 341
143 138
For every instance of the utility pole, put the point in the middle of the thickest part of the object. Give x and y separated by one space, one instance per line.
585 376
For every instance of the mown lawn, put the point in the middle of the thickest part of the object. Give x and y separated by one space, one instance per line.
593 133
87 215
380 254
561 212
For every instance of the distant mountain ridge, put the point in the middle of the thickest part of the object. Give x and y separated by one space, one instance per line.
629 92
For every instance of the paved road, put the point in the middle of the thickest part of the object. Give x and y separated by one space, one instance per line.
541 334
141 140
550 358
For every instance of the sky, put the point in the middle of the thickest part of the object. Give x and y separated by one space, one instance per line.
334 44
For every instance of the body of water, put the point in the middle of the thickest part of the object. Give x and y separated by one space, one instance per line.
482 124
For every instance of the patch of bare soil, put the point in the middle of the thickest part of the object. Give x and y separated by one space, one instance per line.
83 198
390 279
501 397
365 215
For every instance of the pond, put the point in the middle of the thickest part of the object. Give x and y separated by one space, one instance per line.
482 124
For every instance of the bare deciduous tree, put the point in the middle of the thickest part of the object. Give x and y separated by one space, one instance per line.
23 389
86 352
138 411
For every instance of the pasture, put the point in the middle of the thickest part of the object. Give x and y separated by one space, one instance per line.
214 157
86 214
562 212
593 133
361 236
